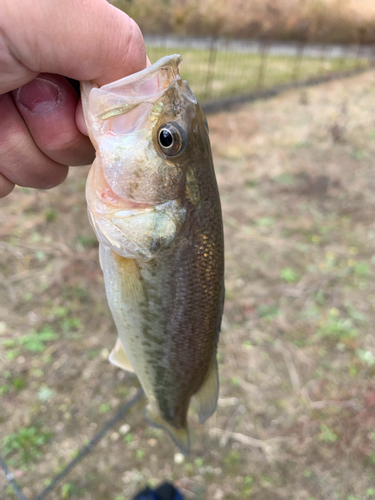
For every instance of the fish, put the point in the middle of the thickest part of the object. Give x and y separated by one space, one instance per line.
154 204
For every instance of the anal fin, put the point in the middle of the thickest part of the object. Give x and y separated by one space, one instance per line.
207 395
119 358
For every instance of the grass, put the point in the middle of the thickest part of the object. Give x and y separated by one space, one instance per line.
24 447
240 73
296 359
35 341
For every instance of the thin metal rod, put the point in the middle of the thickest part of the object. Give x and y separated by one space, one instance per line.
298 63
86 449
11 480
264 52
211 68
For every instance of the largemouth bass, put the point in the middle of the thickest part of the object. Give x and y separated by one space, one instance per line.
154 204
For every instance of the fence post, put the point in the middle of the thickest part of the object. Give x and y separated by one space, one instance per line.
264 52
299 58
323 57
358 57
343 59
211 68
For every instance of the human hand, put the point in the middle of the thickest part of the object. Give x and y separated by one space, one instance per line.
42 130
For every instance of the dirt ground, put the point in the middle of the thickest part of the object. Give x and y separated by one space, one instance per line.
296 414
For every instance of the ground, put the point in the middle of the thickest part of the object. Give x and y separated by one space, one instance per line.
296 414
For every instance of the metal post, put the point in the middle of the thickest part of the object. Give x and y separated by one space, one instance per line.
264 52
299 57
358 57
323 58
343 58
211 68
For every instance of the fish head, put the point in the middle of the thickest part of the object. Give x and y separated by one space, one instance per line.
146 128
149 134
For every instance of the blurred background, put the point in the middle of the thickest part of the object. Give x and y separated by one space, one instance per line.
296 413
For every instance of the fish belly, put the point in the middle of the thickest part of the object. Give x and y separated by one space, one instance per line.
125 296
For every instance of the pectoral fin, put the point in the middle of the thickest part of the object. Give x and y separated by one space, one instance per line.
119 358
207 395
179 436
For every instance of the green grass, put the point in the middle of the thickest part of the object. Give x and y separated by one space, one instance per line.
289 275
237 73
327 435
23 447
35 342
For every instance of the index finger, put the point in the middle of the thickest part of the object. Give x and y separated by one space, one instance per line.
87 40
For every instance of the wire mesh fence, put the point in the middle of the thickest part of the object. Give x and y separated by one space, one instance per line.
221 70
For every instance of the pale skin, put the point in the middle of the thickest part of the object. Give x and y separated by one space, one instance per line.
42 130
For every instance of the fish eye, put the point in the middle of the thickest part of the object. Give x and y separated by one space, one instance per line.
171 139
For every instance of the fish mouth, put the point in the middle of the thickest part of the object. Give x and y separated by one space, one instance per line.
108 197
169 63
123 95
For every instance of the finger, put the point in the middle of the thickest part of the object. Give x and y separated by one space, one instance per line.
6 186
90 40
80 119
21 161
48 106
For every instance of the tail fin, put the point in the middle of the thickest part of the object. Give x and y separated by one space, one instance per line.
179 436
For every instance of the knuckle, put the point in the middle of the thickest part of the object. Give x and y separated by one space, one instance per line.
70 149
65 141
21 161
13 144
24 164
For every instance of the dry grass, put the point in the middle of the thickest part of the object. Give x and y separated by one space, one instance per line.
296 412
323 21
